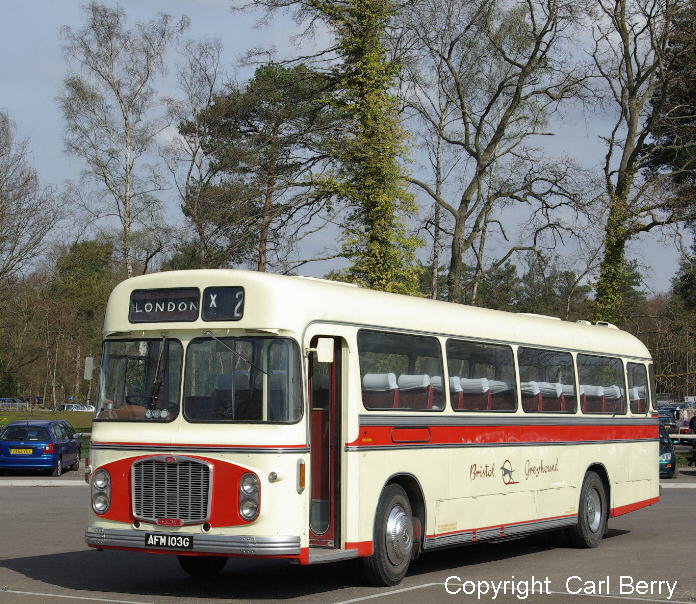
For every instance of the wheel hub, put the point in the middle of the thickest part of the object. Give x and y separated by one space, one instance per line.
399 535
593 510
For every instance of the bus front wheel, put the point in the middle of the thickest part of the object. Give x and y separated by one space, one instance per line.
202 567
392 538
592 513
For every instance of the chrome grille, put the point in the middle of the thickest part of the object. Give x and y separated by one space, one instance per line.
177 488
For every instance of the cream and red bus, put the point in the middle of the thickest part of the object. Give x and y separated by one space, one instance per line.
250 414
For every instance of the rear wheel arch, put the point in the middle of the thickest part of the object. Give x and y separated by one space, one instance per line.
601 471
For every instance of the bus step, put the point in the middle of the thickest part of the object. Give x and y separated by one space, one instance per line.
319 555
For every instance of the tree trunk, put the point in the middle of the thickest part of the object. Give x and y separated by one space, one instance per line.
608 304
265 225
127 219
53 374
434 293
455 291
478 272
437 244
78 358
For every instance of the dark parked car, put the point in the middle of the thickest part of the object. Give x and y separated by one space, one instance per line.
39 445
668 459
667 422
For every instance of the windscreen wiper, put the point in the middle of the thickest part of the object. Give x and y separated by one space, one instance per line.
157 381
239 354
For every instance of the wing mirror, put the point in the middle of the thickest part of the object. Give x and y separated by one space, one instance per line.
325 350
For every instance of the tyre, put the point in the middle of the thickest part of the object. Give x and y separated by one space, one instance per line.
58 468
202 567
75 465
393 538
592 513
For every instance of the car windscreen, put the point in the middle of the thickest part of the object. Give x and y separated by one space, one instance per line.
25 433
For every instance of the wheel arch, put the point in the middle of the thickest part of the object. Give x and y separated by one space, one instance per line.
414 491
599 469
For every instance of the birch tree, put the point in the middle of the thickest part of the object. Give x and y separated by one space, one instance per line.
108 104
199 78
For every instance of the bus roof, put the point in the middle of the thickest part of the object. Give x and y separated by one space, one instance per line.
277 302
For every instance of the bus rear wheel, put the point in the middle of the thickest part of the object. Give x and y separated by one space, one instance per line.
203 567
592 513
393 538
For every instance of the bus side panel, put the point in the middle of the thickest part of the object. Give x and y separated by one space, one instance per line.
637 483
376 468
476 490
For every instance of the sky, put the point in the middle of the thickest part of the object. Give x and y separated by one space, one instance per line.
33 67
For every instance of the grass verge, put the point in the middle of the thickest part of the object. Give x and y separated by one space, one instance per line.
81 421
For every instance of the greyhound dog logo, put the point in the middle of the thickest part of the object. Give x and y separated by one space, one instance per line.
507 471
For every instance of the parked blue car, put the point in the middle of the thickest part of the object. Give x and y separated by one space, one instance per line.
52 446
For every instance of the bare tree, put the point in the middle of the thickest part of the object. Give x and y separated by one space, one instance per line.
108 104
631 40
484 76
198 76
28 212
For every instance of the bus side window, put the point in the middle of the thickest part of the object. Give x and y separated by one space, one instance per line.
547 381
637 387
486 374
601 384
400 371
652 385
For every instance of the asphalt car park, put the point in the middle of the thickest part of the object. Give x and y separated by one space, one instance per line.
43 559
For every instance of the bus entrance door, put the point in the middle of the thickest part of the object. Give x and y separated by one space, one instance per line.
324 403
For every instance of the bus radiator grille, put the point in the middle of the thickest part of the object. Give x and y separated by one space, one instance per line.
171 487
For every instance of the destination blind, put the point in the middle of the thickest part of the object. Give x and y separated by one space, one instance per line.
164 305
223 303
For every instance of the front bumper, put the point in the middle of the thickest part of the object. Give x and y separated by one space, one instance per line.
667 468
42 462
210 544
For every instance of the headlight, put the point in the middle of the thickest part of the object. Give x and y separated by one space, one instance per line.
101 491
248 509
249 484
249 496
665 456
100 503
101 480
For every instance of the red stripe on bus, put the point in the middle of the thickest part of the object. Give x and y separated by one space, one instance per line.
193 445
364 547
632 507
370 436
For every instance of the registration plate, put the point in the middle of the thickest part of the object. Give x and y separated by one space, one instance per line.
169 541
20 451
